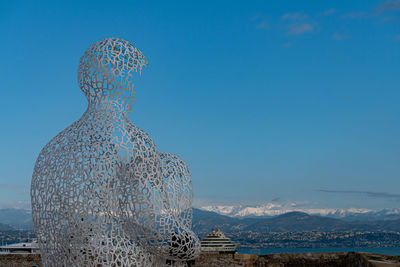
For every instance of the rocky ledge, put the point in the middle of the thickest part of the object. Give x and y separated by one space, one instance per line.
326 259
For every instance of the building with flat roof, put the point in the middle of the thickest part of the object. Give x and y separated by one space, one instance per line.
21 248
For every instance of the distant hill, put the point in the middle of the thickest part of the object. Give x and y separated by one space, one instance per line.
204 221
273 209
5 227
17 218
299 221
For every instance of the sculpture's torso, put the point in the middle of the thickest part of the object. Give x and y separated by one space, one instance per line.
79 174
102 194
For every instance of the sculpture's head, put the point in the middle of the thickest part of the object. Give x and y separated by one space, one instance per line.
106 69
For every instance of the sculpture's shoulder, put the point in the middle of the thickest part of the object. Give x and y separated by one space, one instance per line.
139 139
59 145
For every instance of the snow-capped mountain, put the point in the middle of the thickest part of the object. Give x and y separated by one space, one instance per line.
273 209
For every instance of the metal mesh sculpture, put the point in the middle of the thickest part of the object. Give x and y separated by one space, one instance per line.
102 194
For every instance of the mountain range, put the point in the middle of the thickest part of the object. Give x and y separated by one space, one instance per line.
16 219
204 221
273 209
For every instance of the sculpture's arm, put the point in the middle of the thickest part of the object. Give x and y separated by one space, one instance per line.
156 200
178 185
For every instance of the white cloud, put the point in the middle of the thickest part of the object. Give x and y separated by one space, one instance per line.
263 25
329 12
294 16
300 29
338 36
26 205
355 15
389 6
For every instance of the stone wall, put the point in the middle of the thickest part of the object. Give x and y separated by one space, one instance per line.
340 259
20 260
283 260
345 259
328 259
234 260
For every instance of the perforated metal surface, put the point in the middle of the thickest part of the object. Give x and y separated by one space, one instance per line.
102 194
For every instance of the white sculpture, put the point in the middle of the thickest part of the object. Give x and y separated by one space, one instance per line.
102 194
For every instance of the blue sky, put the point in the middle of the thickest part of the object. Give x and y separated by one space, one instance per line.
265 100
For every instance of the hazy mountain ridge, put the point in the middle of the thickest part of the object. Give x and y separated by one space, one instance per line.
17 218
271 209
204 221
5 227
